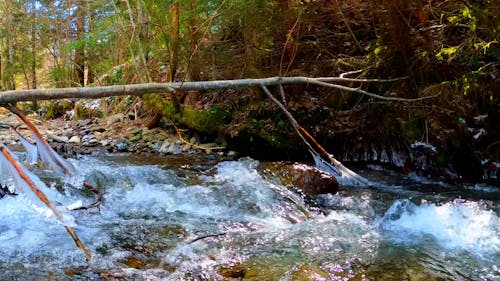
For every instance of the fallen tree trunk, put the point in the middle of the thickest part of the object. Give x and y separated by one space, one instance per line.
7 97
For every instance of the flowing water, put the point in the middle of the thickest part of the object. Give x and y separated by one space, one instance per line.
180 218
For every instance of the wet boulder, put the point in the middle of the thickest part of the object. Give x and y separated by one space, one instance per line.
308 179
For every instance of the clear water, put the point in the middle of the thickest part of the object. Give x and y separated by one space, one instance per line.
180 218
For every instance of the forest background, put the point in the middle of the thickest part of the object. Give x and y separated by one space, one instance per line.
447 50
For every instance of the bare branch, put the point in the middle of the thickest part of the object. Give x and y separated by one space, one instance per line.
343 79
303 133
359 91
350 72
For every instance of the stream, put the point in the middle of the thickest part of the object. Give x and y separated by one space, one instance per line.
191 218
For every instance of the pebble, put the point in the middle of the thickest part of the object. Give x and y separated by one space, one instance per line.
134 138
88 137
135 131
56 138
67 133
74 139
84 122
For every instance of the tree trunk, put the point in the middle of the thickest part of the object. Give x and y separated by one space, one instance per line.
174 47
7 97
194 64
33 52
144 74
80 50
9 68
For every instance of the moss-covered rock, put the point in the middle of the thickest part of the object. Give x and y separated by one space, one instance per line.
308 179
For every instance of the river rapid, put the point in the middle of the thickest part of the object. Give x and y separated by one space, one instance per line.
190 218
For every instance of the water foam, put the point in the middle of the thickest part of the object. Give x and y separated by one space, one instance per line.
458 225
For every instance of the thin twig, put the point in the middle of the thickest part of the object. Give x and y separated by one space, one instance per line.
343 79
97 203
206 236
288 37
350 72
359 91
347 24
193 144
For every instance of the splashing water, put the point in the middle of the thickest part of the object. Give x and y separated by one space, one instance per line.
200 221
457 225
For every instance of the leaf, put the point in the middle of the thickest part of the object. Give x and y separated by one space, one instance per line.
466 12
453 19
447 52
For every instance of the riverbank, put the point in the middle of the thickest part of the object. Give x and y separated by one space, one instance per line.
115 133
118 133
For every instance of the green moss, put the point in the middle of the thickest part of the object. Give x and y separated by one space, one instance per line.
81 112
55 109
207 121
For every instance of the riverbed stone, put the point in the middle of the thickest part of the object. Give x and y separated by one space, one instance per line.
88 137
308 179
74 139
122 145
114 118
134 138
84 122
97 128
56 138
67 133
134 131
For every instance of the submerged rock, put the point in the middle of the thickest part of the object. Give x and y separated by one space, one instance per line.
308 179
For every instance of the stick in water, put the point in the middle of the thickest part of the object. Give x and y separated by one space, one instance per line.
303 133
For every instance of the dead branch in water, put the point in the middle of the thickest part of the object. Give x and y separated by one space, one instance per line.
304 135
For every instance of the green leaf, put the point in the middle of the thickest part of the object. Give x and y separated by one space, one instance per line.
453 19
466 12
447 52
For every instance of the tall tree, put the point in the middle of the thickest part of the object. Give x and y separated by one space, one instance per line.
8 11
79 57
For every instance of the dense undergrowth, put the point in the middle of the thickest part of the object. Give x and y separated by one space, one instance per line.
447 50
